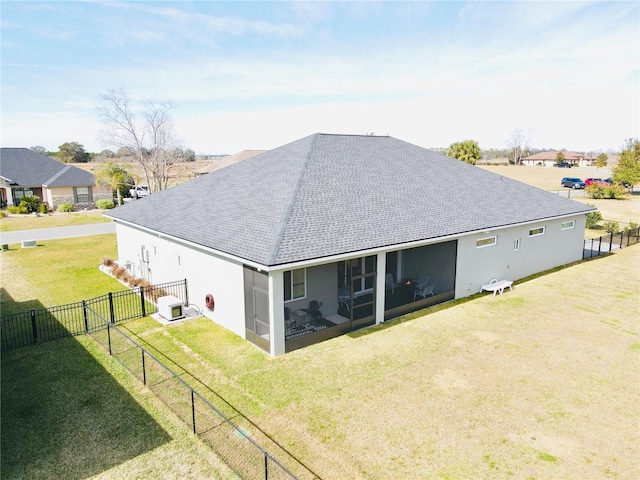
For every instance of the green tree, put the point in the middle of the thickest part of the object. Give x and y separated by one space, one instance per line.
116 177
559 157
601 160
627 171
72 152
40 149
467 151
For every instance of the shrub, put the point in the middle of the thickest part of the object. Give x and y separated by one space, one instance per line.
30 203
612 227
65 207
43 208
604 190
593 218
105 204
3 214
14 209
107 262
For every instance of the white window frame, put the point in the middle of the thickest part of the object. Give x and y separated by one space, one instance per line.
292 298
568 225
485 245
544 229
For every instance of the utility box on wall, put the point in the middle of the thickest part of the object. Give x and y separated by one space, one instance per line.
170 307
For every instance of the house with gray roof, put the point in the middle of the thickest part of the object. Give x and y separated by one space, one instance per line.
24 172
332 233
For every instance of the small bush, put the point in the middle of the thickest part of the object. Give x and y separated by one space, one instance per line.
107 262
604 190
611 227
30 203
65 207
3 214
593 218
43 208
13 209
105 204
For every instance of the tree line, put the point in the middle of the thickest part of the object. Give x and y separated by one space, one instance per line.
74 152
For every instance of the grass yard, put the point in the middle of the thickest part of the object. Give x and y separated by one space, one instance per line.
29 222
541 382
69 411
546 178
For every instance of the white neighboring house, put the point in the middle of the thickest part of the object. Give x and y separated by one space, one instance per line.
331 233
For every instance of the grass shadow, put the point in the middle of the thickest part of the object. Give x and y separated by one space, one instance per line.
63 415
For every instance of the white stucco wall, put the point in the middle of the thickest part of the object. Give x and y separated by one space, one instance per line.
477 266
205 273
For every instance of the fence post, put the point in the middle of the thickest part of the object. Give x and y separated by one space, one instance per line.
193 411
111 312
33 326
610 241
599 245
84 316
142 304
266 466
186 293
621 238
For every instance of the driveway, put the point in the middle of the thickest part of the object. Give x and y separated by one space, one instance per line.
57 232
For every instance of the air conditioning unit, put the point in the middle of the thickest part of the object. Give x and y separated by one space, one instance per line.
170 307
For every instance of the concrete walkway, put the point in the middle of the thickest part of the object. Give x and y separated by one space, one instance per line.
55 233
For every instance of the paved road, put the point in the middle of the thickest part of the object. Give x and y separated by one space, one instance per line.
57 232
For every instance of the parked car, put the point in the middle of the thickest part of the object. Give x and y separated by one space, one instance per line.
563 165
139 191
590 180
574 183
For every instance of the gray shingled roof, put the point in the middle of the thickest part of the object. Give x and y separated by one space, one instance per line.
325 195
26 168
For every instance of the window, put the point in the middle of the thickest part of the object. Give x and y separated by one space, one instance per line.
486 242
534 232
516 245
568 225
19 193
82 194
295 284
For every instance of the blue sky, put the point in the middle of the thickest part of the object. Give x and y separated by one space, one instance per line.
257 75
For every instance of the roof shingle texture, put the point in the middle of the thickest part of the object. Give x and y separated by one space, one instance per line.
26 168
326 195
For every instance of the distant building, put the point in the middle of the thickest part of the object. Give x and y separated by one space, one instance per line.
549 159
24 172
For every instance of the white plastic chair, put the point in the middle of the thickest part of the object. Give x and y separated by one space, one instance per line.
423 292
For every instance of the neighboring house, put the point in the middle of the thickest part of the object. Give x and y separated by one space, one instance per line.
24 172
225 161
549 159
331 233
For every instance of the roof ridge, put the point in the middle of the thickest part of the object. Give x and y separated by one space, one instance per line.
285 218
57 175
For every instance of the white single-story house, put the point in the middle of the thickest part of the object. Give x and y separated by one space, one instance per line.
331 233
24 172
549 159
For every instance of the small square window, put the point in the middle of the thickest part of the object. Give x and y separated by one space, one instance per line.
295 284
516 245
534 232
568 225
486 242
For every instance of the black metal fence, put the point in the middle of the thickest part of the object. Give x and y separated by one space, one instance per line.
39 325
232 443
608 243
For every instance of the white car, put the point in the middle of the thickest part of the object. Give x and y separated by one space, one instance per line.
139 191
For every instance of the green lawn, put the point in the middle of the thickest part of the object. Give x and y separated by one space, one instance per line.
68 409
29 222
540 382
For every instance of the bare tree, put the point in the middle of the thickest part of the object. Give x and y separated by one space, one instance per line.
149 137
518 144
